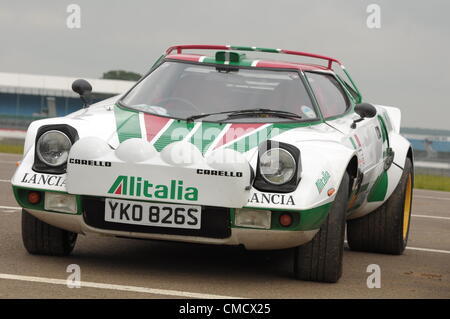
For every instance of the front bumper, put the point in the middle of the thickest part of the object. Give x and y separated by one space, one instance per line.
218 225
252 239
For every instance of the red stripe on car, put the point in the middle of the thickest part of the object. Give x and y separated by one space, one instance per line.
154 124
237 130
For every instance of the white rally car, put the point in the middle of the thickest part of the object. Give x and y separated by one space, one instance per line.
224 149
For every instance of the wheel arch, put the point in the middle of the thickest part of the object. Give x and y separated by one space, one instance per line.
352 170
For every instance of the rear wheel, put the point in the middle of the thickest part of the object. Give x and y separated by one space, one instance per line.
321 259
40 238
386 229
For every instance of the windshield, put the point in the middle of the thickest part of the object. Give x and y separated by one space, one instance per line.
182 90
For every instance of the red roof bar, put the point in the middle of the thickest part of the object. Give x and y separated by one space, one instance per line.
180 49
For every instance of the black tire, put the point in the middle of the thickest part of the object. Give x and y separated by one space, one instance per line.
40 238
321 259
386 229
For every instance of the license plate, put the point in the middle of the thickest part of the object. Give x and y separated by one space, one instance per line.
152 214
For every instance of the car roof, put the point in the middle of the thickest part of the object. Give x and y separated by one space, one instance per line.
258 63
176 53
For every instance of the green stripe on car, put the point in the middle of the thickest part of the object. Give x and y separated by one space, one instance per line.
206 134
127 124
379 188
177 131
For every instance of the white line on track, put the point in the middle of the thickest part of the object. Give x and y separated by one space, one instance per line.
433 217
429 250
11 207
422 249
411 248
431 197
5 181
87 284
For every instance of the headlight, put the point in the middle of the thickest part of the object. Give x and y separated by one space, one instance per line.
53 148
277 166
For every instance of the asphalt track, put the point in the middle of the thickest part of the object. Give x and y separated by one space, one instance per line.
126 268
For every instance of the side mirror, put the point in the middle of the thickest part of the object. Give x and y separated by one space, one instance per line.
364 110
84 89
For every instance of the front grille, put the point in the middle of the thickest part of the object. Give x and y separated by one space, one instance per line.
215 221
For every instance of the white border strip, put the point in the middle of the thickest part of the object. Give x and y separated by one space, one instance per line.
429 250
430 197
10 207
142 126
433 217
87 284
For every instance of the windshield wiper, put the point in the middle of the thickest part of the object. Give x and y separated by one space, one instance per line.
238 113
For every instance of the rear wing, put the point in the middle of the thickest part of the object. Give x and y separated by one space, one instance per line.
179 49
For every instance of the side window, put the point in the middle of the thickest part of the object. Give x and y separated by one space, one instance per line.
330 95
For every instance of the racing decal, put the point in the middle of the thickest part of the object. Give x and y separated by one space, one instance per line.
153 125
379 188
218 173
43 179
176 131
353 142
206 134
266 132
269 198
127 123
244 62
308 111
162 131
378 132
139 187
89 162
357 140
322 181
357 145
252 140
237 130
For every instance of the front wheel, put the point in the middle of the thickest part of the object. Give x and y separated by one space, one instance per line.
321 259
40 238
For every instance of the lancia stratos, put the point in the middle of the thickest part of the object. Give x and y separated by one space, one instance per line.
213 146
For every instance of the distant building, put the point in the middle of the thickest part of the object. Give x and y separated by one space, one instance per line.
26 97
429 144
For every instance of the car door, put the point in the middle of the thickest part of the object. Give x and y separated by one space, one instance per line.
366 138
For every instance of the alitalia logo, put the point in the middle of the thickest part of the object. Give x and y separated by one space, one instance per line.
321 182
139 187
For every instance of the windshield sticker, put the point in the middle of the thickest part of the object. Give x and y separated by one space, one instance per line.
308 111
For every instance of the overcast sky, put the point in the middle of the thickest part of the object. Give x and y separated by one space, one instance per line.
405 63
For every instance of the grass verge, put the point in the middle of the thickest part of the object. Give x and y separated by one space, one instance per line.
432 182
14 149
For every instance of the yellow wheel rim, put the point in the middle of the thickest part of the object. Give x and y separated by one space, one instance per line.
407 206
